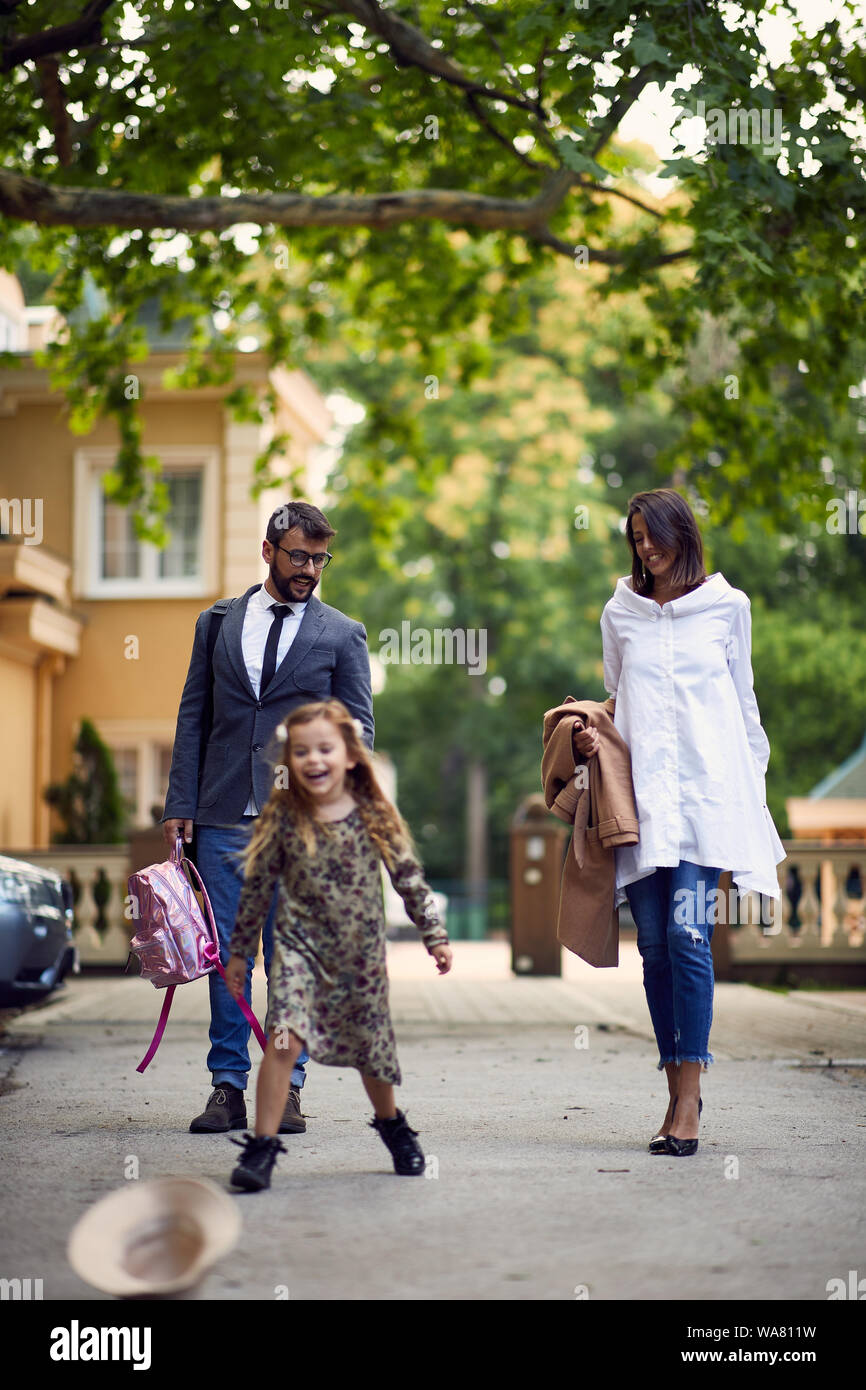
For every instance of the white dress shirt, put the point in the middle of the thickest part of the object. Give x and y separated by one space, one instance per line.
257 625
681 673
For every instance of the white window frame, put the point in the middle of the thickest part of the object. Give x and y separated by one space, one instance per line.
13 334
146 736
90 465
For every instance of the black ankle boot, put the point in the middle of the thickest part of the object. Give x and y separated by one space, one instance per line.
401 1140
260 1154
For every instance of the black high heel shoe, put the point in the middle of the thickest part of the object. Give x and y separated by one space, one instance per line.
683 1148
658 1143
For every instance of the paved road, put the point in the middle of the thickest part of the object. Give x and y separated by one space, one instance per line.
534 1100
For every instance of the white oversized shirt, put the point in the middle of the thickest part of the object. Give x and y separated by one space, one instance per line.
681 674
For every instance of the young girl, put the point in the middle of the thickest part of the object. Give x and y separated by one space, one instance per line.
325 835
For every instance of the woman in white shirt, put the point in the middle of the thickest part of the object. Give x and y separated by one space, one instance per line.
677 659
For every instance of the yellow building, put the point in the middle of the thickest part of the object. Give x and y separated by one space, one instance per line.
93 622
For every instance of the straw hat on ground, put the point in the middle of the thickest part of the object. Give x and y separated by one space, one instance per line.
148 1239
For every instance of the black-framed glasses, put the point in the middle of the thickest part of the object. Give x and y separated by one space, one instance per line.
300 557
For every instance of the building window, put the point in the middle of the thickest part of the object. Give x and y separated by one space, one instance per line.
182 558
121 555
111 562
124 556
126 766
163 756
141 749
13 335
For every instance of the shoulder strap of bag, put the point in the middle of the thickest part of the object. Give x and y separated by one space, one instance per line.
218 612
214 957
160 1029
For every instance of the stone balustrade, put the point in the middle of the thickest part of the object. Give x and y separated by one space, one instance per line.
98 874
820 920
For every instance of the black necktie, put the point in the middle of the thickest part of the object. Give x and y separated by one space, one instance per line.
269 664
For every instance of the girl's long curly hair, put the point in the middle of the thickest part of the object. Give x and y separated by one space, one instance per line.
383 822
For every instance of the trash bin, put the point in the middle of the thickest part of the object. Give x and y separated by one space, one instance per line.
538 843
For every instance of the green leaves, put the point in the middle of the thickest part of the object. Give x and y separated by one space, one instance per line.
679 168
581 163
644 49
216 102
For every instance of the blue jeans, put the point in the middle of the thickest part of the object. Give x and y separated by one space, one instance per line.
671 908
223 875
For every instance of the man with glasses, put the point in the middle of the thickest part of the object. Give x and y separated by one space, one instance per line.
254 658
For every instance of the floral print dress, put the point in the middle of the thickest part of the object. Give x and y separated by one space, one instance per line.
328 980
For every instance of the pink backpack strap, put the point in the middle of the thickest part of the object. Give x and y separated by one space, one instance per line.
212 956
160 1029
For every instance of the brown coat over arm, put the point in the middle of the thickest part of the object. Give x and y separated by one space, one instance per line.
597 797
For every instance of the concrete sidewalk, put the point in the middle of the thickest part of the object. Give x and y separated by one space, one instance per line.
534 1099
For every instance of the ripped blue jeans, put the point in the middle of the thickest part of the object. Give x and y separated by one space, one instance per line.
674 910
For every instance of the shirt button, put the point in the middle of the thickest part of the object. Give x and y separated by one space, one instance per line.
256 747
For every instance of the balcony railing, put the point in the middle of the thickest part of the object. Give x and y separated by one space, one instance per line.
98 874
820 920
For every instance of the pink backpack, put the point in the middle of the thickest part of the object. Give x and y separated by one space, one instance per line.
174 943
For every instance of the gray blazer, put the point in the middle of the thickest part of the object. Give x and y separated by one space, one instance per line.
328 657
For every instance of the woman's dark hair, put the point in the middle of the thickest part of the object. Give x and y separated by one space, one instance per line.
670 523
313 523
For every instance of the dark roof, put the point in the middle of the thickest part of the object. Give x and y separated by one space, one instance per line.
847 780
172 339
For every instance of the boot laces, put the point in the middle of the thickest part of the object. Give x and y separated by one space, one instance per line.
251 1142
399 1125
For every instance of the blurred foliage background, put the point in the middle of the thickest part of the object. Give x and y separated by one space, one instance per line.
710 338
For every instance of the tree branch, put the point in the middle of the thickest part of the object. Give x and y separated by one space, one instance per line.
82 32
411 49
618 193
539 71
544 237
30 200
51 89
495 43
482 118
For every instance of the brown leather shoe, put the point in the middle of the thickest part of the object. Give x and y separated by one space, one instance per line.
293 1121
226 1109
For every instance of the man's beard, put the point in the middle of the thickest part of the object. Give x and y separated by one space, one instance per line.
284 587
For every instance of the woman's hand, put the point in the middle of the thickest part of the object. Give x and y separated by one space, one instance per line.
584 742
236 974
442 957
